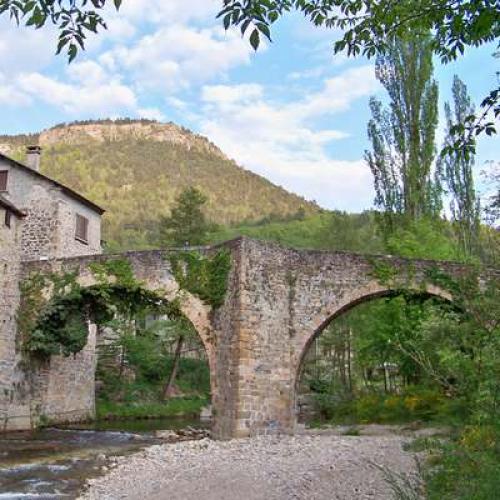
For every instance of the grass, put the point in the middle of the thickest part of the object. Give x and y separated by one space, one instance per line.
176 407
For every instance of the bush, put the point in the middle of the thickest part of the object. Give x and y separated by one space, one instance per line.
415 403
467 467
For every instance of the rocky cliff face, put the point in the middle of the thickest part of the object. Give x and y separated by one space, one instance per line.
79 133
109 131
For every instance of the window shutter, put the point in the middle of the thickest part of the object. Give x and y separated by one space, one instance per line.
3 180
82 228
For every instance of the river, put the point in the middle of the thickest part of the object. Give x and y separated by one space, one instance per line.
55 462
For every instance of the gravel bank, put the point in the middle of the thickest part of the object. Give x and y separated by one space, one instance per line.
270 468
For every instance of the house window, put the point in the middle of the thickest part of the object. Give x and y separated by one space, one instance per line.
3 180
8 215
82 228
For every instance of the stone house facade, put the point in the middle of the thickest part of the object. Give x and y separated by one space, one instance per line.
40 219
59 222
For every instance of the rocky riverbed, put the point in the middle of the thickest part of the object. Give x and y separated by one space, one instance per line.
309 466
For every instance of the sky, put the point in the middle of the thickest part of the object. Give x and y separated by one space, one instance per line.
293 112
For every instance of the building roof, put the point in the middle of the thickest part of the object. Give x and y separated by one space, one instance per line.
12 208
65 189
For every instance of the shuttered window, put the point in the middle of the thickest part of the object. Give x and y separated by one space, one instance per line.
3 180
82 228
8 215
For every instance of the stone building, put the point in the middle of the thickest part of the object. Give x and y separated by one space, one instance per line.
59 222
40 219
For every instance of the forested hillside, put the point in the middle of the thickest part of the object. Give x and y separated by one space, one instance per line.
136 169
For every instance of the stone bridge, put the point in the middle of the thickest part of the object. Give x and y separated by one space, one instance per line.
278 300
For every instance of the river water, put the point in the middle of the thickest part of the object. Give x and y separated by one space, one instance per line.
55 462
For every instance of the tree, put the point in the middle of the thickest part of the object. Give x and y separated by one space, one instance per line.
403 136
456 170
186 224
368 25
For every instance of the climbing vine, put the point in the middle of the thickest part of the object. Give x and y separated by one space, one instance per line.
383 272
206 277
443 280
59 325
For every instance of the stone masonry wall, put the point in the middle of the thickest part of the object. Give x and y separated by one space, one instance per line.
14 411
49 228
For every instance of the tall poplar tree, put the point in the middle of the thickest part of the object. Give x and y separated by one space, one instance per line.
403 135
456 169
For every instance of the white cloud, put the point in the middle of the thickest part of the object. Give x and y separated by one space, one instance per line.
163 12
338 92
151 46
278 141
24 49
177 56
87 73
10 95
106 99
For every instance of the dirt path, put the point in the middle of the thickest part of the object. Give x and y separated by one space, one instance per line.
268 468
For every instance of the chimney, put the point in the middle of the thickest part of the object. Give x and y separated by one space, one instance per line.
33 157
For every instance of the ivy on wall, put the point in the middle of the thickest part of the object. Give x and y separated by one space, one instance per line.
59 325
383 272
203 276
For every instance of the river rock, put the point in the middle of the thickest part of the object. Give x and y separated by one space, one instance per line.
187 434
206 413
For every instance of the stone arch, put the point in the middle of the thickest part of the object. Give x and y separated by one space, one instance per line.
194 309
78 371
372 290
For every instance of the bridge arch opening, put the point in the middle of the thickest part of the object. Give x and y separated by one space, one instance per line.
359 348
142 342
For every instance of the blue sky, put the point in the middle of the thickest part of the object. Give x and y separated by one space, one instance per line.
293 112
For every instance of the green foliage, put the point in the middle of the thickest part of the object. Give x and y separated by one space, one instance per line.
368 26
60 325
134 386
204 276
326 231
178 407
186 225
74 20
402 137
465 466
383 272
114 270
414 404
424 239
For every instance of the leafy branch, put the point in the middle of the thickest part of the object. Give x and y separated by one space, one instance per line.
74 19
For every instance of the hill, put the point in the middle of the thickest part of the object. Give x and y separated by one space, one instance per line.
136 168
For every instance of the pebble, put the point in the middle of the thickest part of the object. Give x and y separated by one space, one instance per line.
319 467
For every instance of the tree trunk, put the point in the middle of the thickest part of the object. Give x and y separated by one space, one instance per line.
169 386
